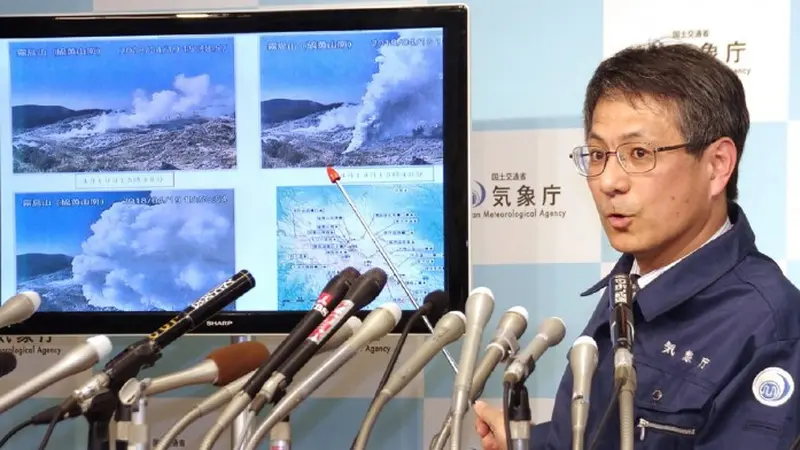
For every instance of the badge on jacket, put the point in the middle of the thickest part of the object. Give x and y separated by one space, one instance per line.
773 386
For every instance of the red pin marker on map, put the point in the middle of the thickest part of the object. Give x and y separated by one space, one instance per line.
333 175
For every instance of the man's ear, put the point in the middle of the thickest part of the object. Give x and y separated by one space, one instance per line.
720 158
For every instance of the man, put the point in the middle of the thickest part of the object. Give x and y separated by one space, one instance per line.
717 323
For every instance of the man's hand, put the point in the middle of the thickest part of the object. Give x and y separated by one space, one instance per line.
489 426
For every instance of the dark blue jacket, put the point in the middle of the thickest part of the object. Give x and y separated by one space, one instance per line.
716 354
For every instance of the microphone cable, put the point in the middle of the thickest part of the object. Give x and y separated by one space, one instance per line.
19 427
795 444
606 415
401 342
50 428
507 386
435 303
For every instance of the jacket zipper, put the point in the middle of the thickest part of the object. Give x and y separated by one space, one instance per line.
645 424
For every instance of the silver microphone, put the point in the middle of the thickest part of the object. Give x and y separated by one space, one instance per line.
221 367
511 327
82 357
583 363
19 308
550 333
342 335
448 329
380 322
479 309
226 393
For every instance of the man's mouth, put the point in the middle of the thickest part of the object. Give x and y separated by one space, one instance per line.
619 221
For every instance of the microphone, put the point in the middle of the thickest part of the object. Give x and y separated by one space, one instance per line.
19 308
479 309
220 367
363 291
342 335
331 295
624 373
82 357
622 326
583 363
335 178
226 393
511 327
377 324
8 362
435 303
146 352
550 333
448 329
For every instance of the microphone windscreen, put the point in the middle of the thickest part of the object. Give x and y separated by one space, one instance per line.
439 301
34 298
8 362
237 360
350 273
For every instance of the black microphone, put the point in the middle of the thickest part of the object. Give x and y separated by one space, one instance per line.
624 372
363 291
146 352
330 297
622 324
8 362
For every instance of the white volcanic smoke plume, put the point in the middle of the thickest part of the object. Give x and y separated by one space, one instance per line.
141 257
404 95
190 96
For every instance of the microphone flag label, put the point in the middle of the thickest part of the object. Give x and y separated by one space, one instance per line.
333 319
323 303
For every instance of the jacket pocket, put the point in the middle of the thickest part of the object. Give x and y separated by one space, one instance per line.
670 410
645 426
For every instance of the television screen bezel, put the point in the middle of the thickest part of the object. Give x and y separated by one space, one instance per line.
452 19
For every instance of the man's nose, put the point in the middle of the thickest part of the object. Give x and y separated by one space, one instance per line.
614 179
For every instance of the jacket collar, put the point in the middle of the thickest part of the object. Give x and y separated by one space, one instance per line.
693 274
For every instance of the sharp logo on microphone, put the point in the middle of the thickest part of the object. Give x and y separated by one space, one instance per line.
219 323
213 294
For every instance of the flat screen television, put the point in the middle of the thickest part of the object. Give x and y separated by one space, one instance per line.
146 158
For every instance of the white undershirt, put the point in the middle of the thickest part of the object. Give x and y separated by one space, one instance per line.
648 278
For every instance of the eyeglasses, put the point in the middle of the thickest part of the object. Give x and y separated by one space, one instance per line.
633 157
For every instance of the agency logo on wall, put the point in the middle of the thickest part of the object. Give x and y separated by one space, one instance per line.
752 38
514 196
732 52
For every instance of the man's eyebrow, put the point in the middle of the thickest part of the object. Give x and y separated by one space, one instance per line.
625 137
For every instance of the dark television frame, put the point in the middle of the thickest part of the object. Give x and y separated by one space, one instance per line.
453 19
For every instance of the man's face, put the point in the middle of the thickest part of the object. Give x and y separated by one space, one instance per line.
646 213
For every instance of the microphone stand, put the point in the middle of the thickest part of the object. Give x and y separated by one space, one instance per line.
280 436
243 425
627 394
132 430
123 418
519 415
99 419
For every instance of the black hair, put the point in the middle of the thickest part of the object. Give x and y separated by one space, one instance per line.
707 96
